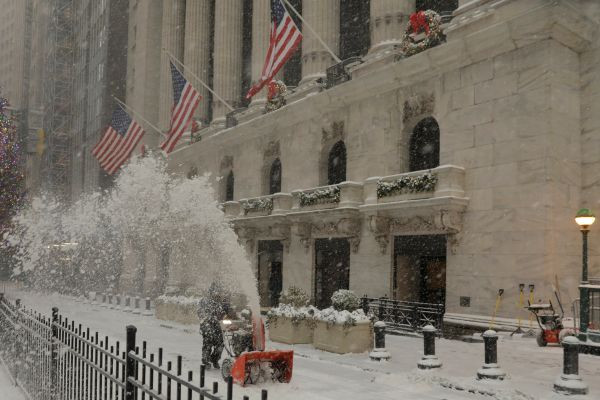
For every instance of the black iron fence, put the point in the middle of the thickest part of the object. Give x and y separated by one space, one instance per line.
404 315
57 359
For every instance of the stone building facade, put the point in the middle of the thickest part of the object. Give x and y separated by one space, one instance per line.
445 176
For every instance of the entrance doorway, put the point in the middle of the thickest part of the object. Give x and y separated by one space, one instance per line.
332 269
419 272
270 273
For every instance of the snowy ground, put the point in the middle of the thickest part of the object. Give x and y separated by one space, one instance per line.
321 375
8 390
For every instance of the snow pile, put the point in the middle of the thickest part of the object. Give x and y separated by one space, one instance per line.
178 300
295 314
344 317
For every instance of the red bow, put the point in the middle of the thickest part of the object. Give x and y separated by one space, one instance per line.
272 90
418 21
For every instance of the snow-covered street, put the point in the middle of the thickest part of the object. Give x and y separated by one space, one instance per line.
320 375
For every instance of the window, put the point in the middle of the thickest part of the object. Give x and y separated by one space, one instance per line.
336 164
355 37
424 148
275 177
229 184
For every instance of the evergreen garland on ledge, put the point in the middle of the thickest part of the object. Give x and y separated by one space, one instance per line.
320 196
257 205
407 184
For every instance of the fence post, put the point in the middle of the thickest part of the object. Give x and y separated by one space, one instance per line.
130 363
490 369
429 360
569 382
379 353
54 355
381 308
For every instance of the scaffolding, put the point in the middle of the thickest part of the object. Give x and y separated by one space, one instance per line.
58 94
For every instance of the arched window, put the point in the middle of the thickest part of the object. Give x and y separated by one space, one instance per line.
336 164
275 177
424 150
229 183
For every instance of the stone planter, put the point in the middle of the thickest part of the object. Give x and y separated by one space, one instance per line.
284 331
339 339
182 313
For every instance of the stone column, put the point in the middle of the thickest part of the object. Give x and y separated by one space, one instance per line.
227 81
388 22
261 29
324 17
173 28
197 48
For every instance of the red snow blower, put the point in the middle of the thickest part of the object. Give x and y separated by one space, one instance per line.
552 328
247 360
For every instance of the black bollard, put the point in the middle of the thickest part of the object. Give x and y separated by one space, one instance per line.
110 304
117 301
490 369
429 359
379 353
569 382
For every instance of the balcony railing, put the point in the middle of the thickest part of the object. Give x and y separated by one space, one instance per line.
438 183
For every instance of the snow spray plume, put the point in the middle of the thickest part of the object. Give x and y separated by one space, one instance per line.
151 227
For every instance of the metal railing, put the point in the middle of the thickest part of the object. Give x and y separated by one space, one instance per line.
56 359
404 315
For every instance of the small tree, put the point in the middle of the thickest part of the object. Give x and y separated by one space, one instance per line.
345 300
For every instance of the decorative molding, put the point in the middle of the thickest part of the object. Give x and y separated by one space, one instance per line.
344 227
303 231
246 237
418 104
226 163
273 151
334 134
380 227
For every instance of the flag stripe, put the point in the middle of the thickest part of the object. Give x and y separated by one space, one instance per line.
117 143
283 42
186 100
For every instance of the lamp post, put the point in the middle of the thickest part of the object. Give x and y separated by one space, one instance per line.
584 218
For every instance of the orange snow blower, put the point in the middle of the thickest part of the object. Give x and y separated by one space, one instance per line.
247 360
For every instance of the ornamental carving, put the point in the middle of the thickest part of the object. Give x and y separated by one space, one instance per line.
303 231
272 151
345 227
246 237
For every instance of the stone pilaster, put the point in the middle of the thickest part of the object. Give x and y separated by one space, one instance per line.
173 28
197 49
324 17
227 56
388 21
261 29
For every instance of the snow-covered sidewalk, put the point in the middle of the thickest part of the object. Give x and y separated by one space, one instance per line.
8 390
321 375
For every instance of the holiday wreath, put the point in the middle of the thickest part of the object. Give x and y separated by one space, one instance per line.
422 21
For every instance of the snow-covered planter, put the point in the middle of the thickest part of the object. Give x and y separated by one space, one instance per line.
180 309
343 328
293 321
291 325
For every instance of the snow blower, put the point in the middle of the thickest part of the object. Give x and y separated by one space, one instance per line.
248 362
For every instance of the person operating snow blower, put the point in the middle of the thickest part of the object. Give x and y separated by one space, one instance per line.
212 308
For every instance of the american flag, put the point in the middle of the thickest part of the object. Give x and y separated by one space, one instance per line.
186 100
119 140
285 38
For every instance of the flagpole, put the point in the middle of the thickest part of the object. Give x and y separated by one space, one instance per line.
304 23
182 65
139 115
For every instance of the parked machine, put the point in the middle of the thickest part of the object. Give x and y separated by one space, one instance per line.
248 361
552 326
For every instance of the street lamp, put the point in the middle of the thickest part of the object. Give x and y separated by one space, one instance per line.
584 218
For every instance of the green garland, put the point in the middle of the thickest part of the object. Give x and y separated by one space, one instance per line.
407 184
256 205
320 196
